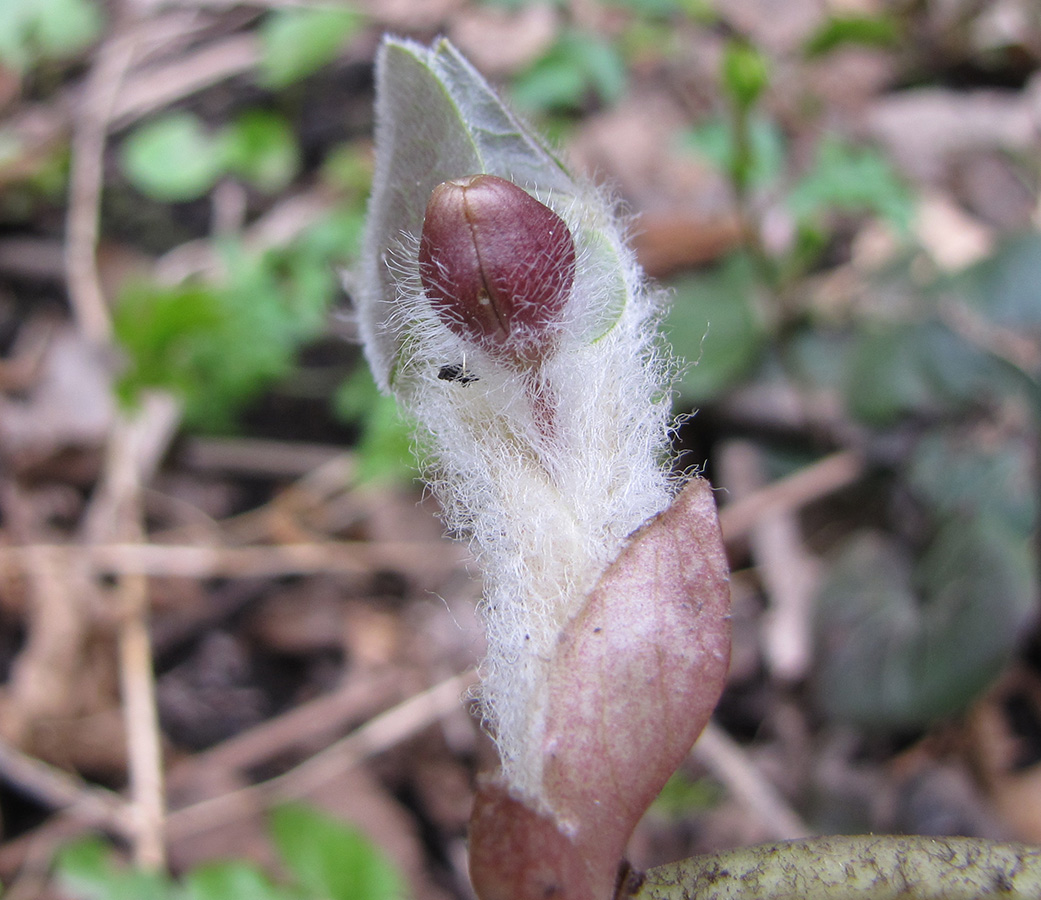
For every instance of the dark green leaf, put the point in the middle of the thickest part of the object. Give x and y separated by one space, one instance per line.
914 368
713 324
818 356
958 474
886 379
1006 287
903 645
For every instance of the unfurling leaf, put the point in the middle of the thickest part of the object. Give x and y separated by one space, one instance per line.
634 681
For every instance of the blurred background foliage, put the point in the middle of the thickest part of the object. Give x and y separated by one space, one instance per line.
922 635
832 297
325 859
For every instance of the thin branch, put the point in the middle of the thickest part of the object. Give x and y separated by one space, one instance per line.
729 763
86 179
158 86
58 789
376 736
189 561
122 490
298 726
135 446
815 481
787 571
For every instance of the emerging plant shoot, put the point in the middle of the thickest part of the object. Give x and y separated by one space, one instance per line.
500 303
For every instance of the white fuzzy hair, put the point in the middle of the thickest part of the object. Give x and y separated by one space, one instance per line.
548 498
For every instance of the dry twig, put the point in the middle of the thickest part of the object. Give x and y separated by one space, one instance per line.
728 762
788 573
186 561
135 446
58 789
86 178
824 477
376 736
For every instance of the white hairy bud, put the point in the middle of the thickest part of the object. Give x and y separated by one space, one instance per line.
547 445
500 304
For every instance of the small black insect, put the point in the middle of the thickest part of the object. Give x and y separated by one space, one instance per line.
456 372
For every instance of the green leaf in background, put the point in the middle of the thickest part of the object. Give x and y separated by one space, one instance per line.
713 324
332 860
684 796
157 328
902 645
87 871
349 168
745 73
651 8
35 30
218 345
234 880
578 65
851 179
842 30
329 861
84 868
1006 287
261 148
818 356
909 368
298 42
714 140
958 474
172 158
886 379
386 446
334 240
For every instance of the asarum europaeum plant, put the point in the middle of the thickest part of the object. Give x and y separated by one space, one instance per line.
499 302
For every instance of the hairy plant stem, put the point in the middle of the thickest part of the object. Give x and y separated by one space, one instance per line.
850 868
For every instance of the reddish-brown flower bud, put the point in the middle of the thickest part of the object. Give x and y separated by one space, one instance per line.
496 264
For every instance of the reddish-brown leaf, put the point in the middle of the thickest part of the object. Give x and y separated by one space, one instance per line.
635 679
